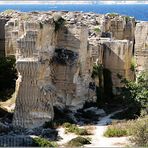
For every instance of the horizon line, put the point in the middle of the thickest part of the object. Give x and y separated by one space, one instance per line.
17 2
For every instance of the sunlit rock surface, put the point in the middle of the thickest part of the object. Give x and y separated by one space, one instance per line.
55 53
141 46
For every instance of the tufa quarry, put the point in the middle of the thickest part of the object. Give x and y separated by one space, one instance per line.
57 52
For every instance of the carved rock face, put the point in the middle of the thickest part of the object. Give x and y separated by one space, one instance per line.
141 46
56 65
49 66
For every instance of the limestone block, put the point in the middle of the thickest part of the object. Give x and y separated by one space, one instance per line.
117 58
120 28
141 46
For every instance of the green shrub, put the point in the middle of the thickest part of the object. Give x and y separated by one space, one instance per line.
72 128
133 64
42 142
97 71
134 93
140 132
78 141
115 132
81 131
67 124
136 129
97 30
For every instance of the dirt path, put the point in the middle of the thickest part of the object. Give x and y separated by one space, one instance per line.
98 140
65 137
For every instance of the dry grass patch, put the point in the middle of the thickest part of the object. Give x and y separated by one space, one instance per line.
119 129
136 129
73 128
140 132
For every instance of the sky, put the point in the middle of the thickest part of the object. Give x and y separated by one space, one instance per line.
73 2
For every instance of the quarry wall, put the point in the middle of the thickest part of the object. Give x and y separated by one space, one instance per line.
55 53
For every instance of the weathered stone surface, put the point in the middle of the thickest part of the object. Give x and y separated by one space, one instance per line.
120 27
14 141
55 65
117 58
141 46
34 66
43 81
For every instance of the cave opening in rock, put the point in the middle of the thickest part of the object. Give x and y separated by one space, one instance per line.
65 57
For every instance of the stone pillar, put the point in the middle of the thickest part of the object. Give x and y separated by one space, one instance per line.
34 101
141 46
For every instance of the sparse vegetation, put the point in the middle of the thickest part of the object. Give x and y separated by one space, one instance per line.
136 129
135 97
42 142
119 129
97 73
67 124
135 94
140 132
78 141
115 132
97 30
133 64
72 128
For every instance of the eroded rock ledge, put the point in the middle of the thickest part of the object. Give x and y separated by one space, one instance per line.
55 54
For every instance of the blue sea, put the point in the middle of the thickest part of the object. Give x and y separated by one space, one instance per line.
139 11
